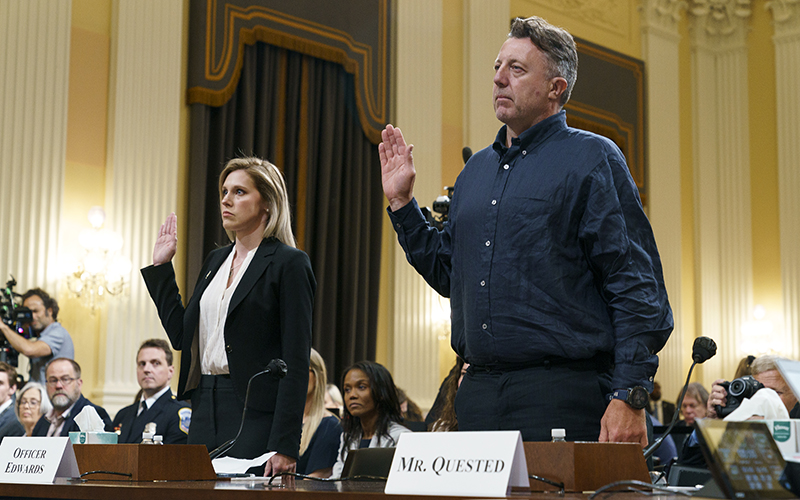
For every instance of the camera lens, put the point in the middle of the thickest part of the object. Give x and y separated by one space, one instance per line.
737 388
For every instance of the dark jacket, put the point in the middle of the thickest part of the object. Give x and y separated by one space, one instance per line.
172 418
42 426
9 425
269 316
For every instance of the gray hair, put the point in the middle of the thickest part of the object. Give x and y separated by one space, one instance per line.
44 406
765 363
556 43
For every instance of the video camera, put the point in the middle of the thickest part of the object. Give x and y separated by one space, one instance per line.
15 316
738 390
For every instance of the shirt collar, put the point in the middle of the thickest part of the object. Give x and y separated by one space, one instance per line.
151 400
53 418
533 136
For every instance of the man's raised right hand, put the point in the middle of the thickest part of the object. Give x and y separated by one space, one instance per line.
397 167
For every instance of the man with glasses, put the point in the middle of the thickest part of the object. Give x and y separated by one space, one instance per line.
63 378
9 425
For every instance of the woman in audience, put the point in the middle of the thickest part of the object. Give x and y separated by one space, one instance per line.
447 419
333 400
408 408
745 367
321 429
694 403
371 411
31 404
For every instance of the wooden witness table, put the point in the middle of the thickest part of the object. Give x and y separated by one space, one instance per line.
179 472
246 490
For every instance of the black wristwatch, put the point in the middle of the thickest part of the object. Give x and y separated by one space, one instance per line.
637 397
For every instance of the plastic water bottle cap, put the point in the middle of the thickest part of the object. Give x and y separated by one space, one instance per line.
558 433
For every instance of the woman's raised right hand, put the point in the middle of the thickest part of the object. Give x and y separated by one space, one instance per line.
167 241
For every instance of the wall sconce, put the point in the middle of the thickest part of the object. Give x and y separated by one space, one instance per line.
102 270
758 335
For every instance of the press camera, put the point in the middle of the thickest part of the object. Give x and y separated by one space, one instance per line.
738 390
15 316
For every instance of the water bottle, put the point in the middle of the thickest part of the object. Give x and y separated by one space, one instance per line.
558 435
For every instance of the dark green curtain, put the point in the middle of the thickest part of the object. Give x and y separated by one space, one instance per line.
300 113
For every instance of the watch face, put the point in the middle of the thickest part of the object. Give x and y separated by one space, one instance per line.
639 397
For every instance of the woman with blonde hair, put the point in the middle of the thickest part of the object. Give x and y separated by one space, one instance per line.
252 303
321 428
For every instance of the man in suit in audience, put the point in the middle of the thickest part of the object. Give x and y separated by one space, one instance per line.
661 410
156 404
9 425
64 383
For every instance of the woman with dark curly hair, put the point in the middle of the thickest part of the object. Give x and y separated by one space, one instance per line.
371 411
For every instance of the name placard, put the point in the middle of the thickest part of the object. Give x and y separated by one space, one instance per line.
458 463
36 459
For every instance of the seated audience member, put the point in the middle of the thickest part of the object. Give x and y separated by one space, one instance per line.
322 431
745 367
661 410
436 408
63 377
9 424
408 408
447 421
333 400
667 451
371 411
156 403
694 403
31 404
765 370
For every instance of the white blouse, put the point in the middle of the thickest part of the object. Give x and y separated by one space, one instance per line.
213 313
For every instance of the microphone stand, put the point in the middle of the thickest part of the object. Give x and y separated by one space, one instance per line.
655 445
227 445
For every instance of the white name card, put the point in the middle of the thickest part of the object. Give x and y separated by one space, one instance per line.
36 459
474 464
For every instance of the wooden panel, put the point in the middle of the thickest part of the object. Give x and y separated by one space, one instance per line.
187 462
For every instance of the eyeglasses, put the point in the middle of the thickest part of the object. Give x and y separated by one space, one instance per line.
65 381
29 403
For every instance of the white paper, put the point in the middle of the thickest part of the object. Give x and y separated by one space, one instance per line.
229 465
483 464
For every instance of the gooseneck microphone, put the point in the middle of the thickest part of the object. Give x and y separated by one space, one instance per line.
703 349
277 368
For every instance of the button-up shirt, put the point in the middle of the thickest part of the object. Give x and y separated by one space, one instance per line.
547 253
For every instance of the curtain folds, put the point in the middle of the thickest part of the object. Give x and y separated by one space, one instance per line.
300 113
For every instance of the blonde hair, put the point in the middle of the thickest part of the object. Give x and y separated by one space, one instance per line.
272 188
317 411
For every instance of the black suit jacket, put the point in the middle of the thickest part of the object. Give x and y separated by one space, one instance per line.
9 425
269 316
42 426
166 412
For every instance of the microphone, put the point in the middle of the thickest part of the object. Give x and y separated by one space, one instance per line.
703 349
466 154
276 367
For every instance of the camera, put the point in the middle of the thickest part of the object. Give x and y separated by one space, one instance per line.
738 390
16 317
441 206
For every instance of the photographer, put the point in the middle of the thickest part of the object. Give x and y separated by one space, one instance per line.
764 370
53 341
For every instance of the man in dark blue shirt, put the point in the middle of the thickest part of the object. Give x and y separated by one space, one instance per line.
557 294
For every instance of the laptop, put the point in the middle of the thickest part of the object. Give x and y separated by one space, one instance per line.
743 459
375 462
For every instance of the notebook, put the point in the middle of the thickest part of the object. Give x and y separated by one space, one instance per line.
743 459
